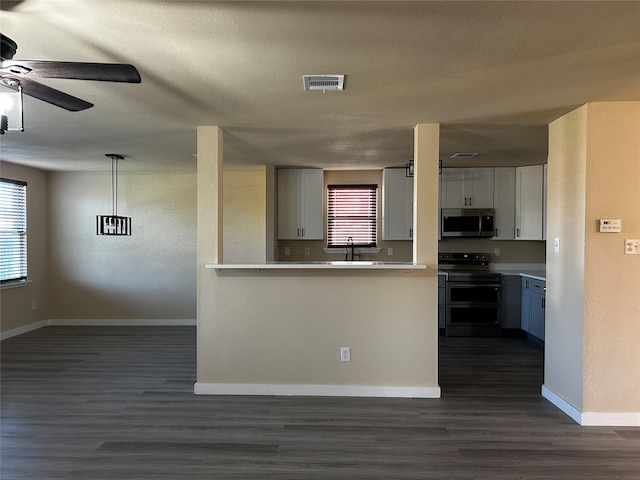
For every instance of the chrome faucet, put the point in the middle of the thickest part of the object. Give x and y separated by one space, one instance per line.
353 250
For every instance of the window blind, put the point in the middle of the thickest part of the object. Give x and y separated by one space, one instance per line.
352 214
13 230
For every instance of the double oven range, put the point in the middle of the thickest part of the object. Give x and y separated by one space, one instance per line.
473 295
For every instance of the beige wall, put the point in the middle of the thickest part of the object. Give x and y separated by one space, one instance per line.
245 214
17 303
592 355
612 279
148 275
285 328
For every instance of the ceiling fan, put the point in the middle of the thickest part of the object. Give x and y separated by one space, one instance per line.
17 73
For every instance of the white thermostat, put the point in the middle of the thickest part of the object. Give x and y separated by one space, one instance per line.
610 225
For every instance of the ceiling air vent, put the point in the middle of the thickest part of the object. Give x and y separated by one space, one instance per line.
323 83
463 155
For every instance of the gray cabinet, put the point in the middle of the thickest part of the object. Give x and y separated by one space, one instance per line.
511 302
397 204
533 307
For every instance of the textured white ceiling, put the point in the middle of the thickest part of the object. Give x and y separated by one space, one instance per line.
494 74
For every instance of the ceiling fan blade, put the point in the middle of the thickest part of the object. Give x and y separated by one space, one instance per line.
105 72
48 94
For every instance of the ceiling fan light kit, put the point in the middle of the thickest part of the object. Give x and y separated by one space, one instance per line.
11 110
113 224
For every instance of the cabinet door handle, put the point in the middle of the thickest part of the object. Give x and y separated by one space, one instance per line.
298 233
302 233
517 232
411 233
544 302
469 201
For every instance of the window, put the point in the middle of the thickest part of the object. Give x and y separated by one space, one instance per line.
13 230
352 215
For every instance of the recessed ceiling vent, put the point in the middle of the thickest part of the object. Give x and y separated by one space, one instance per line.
463 155
323 83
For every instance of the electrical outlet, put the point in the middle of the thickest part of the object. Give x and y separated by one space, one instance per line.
496 252
307 250
556 245
345 354
34 305
632 246
287 251
389 251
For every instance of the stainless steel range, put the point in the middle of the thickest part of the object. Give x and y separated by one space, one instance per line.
473 294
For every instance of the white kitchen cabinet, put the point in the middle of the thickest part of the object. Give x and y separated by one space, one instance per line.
504 196
466 187
529 202
533 307
397 204
300 203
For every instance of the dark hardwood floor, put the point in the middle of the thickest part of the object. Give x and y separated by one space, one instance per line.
116 403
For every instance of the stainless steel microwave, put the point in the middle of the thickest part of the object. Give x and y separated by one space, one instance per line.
468 222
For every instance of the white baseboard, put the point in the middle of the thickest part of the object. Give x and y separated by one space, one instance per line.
24 329
611 419
315 390
138 322
562 404
592 419
127 322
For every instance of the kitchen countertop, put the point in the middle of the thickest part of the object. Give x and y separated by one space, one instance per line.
336 265
533 270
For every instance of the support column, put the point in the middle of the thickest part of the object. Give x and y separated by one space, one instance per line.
209 195
426 149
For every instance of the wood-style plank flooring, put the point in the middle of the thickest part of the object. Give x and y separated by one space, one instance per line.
100 403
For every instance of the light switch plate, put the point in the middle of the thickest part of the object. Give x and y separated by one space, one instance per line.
632 246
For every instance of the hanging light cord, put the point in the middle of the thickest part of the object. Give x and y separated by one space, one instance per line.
114 181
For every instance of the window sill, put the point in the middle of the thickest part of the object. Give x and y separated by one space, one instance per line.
9 285
357 250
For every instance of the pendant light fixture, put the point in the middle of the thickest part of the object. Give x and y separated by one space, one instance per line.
113 224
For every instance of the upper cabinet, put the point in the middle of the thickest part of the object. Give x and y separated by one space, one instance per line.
397 205
300 203
530 187
467 188
504 195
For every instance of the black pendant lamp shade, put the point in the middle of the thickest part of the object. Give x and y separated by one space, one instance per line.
113 224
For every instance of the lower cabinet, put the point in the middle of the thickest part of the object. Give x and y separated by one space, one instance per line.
533 307
510 305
